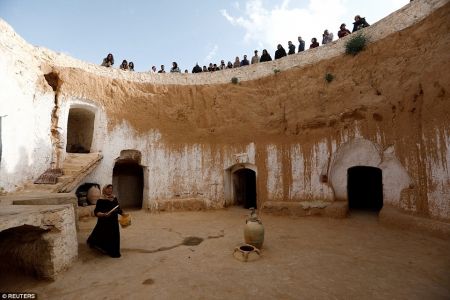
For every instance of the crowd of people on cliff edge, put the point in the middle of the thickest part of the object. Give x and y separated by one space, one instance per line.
327 37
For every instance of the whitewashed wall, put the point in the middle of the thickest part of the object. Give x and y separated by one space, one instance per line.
26 112
438 172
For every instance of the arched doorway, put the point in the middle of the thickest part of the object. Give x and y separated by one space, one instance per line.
244 187
80 130
365 188
128 181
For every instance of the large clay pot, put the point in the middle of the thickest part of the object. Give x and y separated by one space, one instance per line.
93 195
254 230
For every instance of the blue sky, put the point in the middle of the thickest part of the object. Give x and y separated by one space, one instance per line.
159 32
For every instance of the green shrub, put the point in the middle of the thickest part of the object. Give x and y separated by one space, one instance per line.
234 80
329 77
276 71
356 44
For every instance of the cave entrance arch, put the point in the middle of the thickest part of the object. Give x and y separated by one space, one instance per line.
128 182
240 185
80 130
244 188
365 188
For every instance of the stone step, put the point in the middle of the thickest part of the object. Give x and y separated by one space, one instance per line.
76 167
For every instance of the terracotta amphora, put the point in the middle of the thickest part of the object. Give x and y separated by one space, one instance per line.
254 230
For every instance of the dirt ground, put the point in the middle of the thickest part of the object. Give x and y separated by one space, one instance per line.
302 258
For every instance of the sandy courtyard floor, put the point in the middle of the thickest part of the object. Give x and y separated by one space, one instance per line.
302 258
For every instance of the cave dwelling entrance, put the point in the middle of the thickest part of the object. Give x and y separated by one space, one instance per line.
80 130
244 187
365 188
128 182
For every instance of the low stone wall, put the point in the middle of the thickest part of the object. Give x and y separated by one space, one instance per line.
43 199
40 240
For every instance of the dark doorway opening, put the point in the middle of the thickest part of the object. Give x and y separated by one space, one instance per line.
128 182
365 188
24 249
80 129
244 185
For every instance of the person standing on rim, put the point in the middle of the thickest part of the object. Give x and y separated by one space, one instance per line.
108 61
197 69
265 56
237 62
255 58
291 48
244 61
301 44
327 37
343 31
359 23
175 68
280 52
314 43
124 65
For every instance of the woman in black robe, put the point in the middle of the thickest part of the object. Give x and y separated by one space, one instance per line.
106 235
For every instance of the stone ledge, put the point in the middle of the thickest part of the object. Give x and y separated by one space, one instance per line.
393 217
43 199
40 240
335 209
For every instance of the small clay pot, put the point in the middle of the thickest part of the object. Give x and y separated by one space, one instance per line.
246 253
125 220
